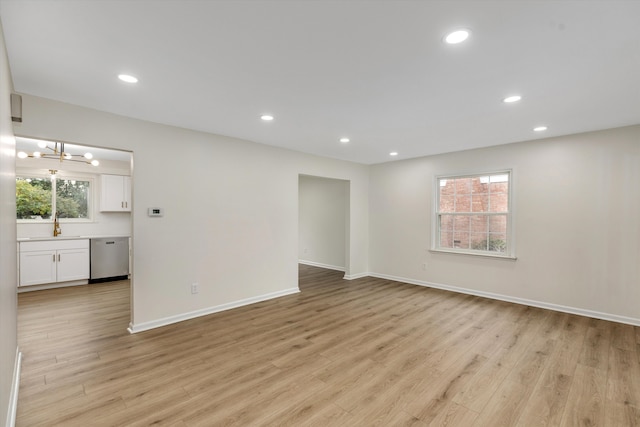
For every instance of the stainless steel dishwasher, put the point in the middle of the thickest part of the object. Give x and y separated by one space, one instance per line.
109 259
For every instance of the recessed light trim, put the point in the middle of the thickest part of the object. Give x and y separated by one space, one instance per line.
512 98
128 78
267 117
344 140
457 36
539 128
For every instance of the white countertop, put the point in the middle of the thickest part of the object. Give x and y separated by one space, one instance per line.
63 237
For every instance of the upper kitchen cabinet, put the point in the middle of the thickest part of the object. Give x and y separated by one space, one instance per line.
115 193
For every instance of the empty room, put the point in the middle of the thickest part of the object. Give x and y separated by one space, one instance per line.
319 213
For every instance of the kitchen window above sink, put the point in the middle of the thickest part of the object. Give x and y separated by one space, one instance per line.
39 195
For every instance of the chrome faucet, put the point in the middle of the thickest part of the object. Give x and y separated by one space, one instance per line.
56 226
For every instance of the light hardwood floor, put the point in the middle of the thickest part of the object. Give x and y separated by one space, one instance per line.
340 353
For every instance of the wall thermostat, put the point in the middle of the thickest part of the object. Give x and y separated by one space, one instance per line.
156 211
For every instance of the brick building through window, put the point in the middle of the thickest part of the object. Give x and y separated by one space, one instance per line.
473 213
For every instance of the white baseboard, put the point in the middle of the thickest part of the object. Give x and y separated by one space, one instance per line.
31 288
319 264
523 301
15 387
333 267
355 276
145 326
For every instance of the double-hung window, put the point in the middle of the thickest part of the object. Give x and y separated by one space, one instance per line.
473 214
40 196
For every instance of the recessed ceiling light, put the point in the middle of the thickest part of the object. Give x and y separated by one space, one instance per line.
266 117
393 153
344 140
457 36
512 98
540 128
22 155
127 78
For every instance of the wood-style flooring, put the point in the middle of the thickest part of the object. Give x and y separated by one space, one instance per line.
367 352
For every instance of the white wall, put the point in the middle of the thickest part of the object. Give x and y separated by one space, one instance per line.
231 209
577 223
322 221
8 270
103 223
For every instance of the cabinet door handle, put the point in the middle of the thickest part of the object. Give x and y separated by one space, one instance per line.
58 257
54 257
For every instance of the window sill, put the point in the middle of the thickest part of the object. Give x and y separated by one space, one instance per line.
477 254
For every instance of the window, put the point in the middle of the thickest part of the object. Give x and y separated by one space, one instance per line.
38 197
473 214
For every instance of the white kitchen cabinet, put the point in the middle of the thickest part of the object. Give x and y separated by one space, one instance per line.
115 193
73 264
37 267
53 261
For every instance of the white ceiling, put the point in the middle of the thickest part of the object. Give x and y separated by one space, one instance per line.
374 71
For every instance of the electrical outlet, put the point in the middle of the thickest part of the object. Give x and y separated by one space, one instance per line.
424 265
305 250
195 288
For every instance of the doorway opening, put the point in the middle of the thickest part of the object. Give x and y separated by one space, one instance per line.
323 223
61 188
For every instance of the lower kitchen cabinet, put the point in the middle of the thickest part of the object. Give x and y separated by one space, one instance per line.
53 261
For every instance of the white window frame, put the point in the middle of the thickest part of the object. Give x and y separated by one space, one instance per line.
39 173
510 238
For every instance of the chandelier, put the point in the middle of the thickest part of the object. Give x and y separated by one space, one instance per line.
57 152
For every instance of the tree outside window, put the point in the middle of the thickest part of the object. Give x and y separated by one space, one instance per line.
33 198
37 199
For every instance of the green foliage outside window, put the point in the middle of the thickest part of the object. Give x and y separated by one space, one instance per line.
35 198
495 245
72 198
